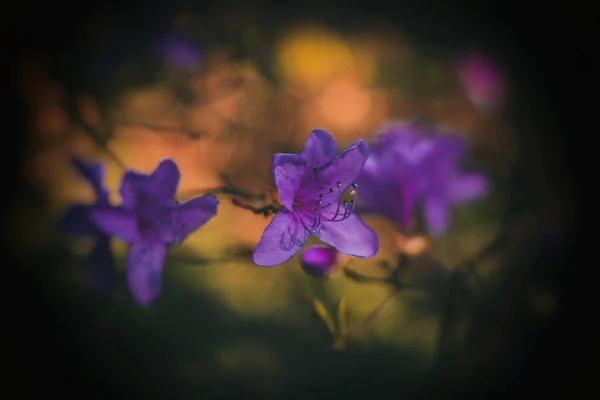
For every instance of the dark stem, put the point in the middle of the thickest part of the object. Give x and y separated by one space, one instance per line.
358 277
266 210
98 140
232 191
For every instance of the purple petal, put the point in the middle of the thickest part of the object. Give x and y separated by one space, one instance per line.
404 208
116 221
145 261
288 170
450 148
100 266
76 220
159 188
468 187
378 190
188 217
350 237
345 169
284 236
320 148
318 260
94 174
131 184
437 214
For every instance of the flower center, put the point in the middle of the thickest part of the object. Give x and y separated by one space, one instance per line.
144 226
318 210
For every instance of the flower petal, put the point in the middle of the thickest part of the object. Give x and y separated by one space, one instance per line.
76 220
404 206
100 266
318 260
115 221
284 236
94 174
468 187
345 168
350 237
288 170
158 188
437 214
320 148
145 262
188 217
166 178
449 149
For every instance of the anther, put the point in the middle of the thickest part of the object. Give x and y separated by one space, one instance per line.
330 190
320 187
315 209
345 203
354 185
339 184
320 202
321 195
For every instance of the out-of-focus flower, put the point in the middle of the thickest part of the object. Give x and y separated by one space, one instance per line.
180 52
310 187
150 220
482 81
318 260
100 263
411 164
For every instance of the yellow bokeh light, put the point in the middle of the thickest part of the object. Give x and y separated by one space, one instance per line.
312 55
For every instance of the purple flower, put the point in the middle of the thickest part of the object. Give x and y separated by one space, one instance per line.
310 187
150 220
318 260
180 52
482 81
99 266
411 164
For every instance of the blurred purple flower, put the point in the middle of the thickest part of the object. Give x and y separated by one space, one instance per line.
100 264
180 52
411 164
482 81
318 260
310 187
150 220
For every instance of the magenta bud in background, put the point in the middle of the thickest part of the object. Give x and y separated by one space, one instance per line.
482 81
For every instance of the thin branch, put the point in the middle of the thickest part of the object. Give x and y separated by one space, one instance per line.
358 277
100 143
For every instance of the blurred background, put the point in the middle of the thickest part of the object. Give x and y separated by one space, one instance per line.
222 87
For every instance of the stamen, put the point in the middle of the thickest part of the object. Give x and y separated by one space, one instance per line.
294 241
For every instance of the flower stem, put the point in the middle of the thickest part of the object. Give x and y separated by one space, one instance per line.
358 277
